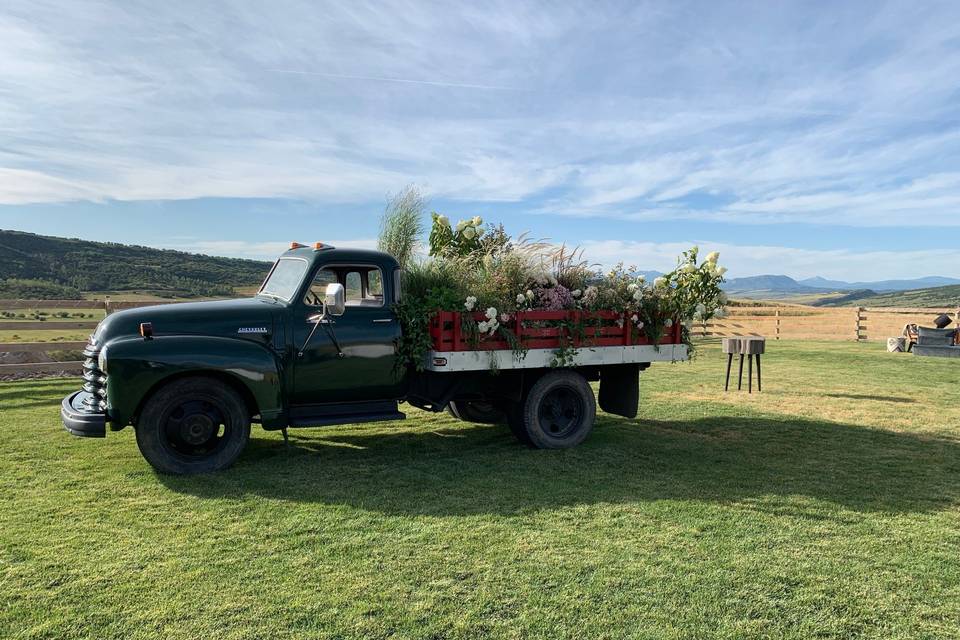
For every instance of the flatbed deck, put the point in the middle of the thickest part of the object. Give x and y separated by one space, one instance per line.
453 361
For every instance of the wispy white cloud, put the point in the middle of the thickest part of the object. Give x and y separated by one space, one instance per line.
748 260
640 111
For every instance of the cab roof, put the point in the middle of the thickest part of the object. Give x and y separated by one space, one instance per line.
328 254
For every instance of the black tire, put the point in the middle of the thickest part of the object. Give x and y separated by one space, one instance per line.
193 425
559 411
475 411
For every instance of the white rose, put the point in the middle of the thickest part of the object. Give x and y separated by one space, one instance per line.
491 313
668 323
576 293
463 224
632 287
689 268
521 298
477 221
482 326
713 256
444 220
529 294
470 303
634 317
469 233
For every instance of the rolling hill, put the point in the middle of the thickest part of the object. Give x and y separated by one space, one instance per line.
35 266
948 296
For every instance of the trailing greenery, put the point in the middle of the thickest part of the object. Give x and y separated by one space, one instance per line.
475 269
402 225
49 267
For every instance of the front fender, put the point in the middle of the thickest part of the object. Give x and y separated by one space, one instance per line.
135 366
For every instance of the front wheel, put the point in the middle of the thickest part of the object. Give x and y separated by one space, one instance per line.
193 425
557 413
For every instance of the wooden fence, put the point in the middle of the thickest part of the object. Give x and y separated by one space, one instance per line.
819 323
56 324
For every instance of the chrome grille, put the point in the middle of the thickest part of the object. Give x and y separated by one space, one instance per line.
94 380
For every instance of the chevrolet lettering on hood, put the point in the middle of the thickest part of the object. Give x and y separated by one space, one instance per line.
254 330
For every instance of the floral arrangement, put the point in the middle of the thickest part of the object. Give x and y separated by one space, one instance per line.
471 268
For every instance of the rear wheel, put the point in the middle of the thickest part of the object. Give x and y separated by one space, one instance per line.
193 425
475 411
558 412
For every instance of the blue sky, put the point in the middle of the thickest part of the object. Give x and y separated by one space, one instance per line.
799 138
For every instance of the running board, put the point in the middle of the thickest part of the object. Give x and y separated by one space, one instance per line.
346 413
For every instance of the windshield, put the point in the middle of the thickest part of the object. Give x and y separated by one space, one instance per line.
284 279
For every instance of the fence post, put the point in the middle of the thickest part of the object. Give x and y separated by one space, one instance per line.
106 306
777 314
859 323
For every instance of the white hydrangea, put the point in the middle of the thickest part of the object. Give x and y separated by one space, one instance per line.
529 294
638 295
482 326
491 313
660 282
713 256
689 268
444 220
463 224
633 286
469 233
521 298
470 303
721 271
477 221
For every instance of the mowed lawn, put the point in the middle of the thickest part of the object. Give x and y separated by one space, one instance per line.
827 506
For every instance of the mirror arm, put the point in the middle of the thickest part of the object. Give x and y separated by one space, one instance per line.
329 330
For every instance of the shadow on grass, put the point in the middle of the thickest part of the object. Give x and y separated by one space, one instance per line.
878 398
481 469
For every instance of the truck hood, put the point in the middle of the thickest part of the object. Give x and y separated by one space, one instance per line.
251 318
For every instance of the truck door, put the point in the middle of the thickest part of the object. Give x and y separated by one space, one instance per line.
366 334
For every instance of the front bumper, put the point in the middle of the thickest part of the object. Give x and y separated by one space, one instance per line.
79 420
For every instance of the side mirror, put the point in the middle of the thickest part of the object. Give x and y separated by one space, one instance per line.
335 299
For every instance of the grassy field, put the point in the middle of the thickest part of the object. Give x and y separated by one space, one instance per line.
827 506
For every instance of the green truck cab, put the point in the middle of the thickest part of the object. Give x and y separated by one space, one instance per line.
315 346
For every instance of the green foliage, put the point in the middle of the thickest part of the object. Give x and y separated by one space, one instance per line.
71 266
449 242
402 225
16 288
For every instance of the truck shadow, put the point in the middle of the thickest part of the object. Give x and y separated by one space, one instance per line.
473 469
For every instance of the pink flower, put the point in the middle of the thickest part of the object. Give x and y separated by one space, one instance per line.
555 298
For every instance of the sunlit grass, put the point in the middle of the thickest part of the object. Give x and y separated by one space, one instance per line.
826 506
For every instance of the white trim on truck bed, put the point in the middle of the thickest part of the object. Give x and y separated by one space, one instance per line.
451 361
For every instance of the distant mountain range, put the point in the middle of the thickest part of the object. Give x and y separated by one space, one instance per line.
778 286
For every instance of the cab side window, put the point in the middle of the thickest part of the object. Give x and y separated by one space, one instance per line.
362 284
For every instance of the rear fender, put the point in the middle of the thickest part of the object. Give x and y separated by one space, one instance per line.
135 367
620 389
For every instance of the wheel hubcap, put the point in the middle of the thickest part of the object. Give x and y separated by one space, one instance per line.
195 428
561 412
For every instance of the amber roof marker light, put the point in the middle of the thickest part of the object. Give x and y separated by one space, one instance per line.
297 245
317 246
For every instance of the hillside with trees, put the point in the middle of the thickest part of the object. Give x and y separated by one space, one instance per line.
35 266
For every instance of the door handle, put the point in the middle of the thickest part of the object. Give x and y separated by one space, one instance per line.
383 320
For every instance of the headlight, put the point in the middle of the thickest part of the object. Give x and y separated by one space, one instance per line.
102 360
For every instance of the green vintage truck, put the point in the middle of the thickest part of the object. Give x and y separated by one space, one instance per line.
317 346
